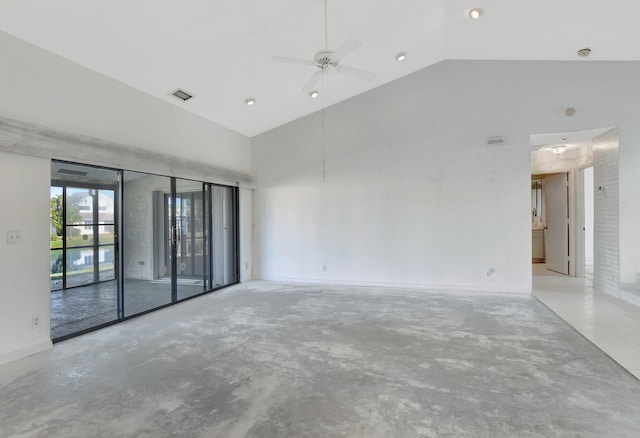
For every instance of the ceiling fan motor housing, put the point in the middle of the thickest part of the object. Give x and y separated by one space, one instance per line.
324 59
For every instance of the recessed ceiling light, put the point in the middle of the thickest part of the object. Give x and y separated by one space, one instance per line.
250 101
401 56
314 94
475 13
583 53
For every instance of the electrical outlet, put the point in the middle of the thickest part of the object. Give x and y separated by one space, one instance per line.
14 236
489 272
246 265
324 268
35 321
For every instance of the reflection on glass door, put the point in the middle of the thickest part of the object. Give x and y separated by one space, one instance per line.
190 242
83 213
89 235
55 238
146 271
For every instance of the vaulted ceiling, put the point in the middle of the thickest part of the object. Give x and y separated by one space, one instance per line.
221 51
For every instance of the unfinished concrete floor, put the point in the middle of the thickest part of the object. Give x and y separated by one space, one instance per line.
273 360
84 307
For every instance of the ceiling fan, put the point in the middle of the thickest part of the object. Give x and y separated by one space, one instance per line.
327 60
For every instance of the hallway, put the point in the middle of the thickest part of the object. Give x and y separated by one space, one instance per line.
611 324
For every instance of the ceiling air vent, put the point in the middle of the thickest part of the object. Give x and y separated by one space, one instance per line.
496 141
72 172
182 95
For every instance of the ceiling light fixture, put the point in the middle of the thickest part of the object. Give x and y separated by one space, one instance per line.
401 56
475 13
561 148
250 101
314 94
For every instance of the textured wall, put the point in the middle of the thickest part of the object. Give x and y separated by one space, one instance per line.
606 274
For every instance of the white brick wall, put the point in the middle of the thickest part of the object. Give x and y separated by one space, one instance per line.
606 272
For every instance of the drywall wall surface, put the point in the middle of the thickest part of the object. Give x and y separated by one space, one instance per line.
45 89
246 234
413 195
24 290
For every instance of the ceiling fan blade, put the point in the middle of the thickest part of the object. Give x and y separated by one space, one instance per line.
347 47
292 60
355 72
309 86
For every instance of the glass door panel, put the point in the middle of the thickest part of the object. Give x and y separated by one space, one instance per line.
84 290
79 236
105 230
191 248
224 237
56 231
146 264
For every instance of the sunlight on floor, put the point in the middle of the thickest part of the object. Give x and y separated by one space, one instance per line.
611 324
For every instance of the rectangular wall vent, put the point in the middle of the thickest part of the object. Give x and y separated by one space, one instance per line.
181 94
496 141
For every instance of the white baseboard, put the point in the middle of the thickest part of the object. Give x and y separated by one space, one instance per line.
463 288
25 351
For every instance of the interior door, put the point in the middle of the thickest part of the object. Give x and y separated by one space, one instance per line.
556 236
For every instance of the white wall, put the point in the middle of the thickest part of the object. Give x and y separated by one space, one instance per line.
588 214
42 88
24 288
606 265
412 194
246 234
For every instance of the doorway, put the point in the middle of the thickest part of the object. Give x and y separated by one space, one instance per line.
583 157
551 224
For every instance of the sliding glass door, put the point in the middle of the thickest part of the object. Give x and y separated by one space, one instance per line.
224 211
146 272
83 211
131 242
191 243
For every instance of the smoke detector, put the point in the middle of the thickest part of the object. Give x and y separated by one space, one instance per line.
583 53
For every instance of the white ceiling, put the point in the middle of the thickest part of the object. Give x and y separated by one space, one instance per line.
571 139
220 51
